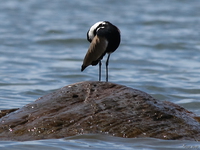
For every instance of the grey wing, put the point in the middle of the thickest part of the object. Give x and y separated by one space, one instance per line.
96 50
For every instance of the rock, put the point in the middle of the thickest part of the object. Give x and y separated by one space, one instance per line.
99 107
5 112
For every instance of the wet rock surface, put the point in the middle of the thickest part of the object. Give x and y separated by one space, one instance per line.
99 107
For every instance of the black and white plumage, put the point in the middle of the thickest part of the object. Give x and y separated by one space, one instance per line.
104 38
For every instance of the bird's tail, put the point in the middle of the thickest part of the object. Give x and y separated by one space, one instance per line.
83 67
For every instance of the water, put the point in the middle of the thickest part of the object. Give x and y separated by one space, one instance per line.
99 142
43 43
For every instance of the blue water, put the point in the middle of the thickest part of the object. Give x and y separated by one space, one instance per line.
43 43
99 142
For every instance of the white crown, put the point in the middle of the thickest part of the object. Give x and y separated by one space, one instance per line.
94 27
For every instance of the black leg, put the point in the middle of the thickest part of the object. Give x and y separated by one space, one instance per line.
100 70
107 61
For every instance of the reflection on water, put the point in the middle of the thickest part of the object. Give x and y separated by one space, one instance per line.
43 43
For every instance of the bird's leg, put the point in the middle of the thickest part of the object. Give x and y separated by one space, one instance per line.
107 61
100 70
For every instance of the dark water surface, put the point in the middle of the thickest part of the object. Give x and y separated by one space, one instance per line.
43 43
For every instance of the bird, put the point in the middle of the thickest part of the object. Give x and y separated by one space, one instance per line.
104 37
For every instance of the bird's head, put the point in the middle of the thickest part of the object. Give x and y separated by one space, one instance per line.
94 29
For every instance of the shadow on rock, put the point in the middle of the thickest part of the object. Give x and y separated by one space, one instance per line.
99 107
